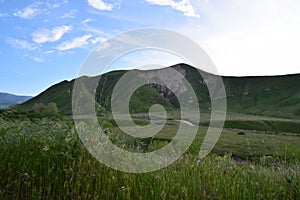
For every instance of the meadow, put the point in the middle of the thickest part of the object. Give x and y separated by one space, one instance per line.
42 157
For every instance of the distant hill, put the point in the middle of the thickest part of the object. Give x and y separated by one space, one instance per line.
7 99
276 96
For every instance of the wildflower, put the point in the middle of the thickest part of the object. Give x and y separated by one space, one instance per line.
123 188
46 148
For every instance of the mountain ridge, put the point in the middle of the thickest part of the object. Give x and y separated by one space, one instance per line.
275 96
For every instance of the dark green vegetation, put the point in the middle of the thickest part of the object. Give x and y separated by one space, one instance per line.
43 158
268 126
274 96
7 100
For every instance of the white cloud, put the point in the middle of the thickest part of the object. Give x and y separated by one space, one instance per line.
70 14
103 46
183 6
38 59
54 5
30 50
29 12
100 5
98 40
75 43
86 28
49 52
250 37
50 35
86 21
146 59
36 8
22 44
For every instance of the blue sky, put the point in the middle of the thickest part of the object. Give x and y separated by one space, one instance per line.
44 42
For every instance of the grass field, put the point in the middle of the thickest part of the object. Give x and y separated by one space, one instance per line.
43 158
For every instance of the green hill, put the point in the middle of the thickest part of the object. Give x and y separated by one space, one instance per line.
276 96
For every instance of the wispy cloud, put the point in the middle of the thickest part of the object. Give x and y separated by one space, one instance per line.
98 40
100 5
75 43
29 12
21 44
36 8
54 5
38 59
70 14
84 22
50 35
87 28
30 50
183 6
146 59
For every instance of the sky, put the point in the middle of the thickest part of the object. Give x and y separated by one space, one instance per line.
44 42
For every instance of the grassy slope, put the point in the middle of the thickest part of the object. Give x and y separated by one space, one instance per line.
271 96
60 93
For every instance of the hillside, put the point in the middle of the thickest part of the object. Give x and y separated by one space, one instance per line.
7 99
276 96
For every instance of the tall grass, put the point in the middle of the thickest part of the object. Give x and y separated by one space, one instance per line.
45 159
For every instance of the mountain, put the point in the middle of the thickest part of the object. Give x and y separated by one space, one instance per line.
276 96
7 100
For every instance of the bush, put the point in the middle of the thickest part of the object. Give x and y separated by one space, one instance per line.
41 110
